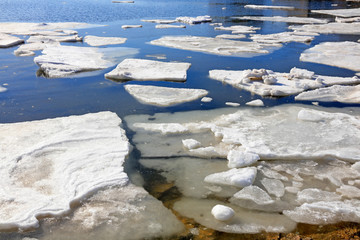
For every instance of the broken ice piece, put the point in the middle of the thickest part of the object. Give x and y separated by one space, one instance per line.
131 26
238 158
255 103
255 194
161 26
283 19
232 104
222 213
194 20
206 99
143 69
101 41
269 7
351 12
7 40
191 143
234 177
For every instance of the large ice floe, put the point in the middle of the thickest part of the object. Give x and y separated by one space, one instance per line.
351 12
77 155
101 41
216 46
284 19
268 83
269 7
164 96
337 54
143 69
314 167
330 28
62 61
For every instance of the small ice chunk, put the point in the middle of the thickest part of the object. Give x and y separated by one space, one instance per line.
222 213
255 103
206 99
310 195
300 73
349 191
269 7
55 38
162 26
7 40
143 69
238 29
284 19
164 96
101 41
159 21
234 177
255 194
29 48
283 37
122 1
131 26
191 143
194 20
274 186
232 104
238 158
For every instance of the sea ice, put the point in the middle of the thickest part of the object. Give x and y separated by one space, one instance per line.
241 177
169 26
351 12
191 143
29 49
131 26
164 96
206 99
255 103
336 93
222 213
123 1
142 69
305 20
44 38
194 20
310 195
253 193
283 37
241 159
210 45
101 41
347 20
329 28
231 36
61 61
338 54
232 104
159 21
7 40
269 7
274 186
238 29
77 155
2 89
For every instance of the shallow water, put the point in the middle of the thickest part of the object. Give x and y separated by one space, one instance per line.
31 97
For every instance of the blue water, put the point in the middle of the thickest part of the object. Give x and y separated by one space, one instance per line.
30 97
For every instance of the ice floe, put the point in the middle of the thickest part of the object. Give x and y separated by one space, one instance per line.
29 49
162 26
241 177
232 104
255 103
194 20
61 61
2 89
240 158
231 36
206 99
216 46
347 20
222 213
123 1
351 12
238 29
143 69
77 155
7 40
269 7
131 26
336 93
164 96
44 38
160 21
268 83
283 37
330 28
101 41
337 54
283 19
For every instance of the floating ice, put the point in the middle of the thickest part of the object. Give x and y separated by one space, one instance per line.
241 159
231 36
131 26
77 155
2 89
61 61
347 20
44 38
337 93
269 7
237 29
169 26
194 20
222 213
283 37
206 99
101 41
216 46
123 1
241 177
7 40
142 69
232 104
310 195
253 193
159 21
191 143
351 12
305 20
164 96
268 83
330 28
29 49
338 54
255 103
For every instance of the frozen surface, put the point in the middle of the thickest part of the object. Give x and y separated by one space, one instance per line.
222 213
283 37
255 103
336 93
142 69
305 20
268 83
337 54
241 177
255 194
194 20
77 155
7 40
274 186
352 12
164 96
55 38
101 41
269 7
330 28
62 61
216 46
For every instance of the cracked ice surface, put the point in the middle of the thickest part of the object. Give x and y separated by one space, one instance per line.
142 69
268 83
77 155
337 54
216 46
101 41
164 96
284 19
329 28
62 61
336 93
352 12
